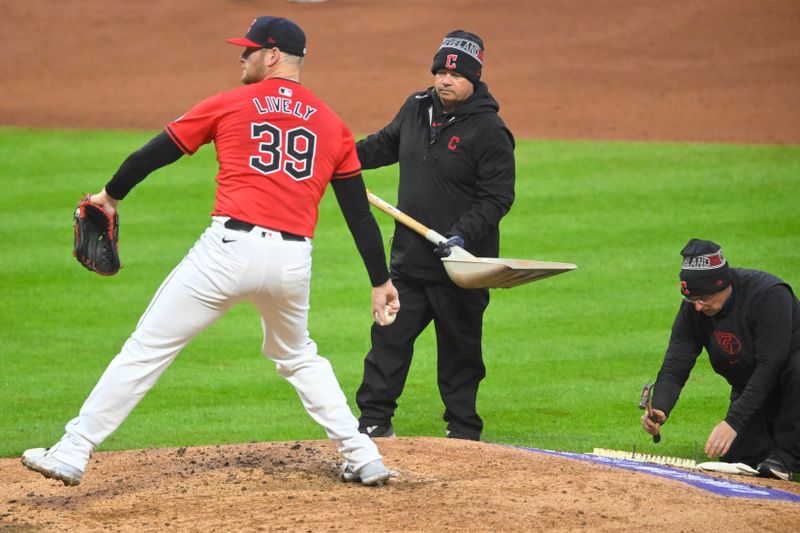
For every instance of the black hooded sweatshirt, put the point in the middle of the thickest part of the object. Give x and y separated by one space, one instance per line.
456 176
749 343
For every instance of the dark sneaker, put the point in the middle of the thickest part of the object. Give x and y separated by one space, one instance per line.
773 467
459 435
382 430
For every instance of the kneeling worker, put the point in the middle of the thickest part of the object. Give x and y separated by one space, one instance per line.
749 323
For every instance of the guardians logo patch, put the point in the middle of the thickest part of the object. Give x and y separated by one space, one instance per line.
704 262
728 342
464 45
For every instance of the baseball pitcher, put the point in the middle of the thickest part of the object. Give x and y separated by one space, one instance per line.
278 147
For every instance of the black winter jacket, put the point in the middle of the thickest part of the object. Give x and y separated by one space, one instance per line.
456 177
749 343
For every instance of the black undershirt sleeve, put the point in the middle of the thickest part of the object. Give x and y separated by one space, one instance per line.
352 197
160 151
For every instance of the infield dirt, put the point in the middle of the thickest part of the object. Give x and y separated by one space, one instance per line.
712 71
440 485
717 70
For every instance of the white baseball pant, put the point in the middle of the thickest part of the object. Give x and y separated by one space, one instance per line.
224 267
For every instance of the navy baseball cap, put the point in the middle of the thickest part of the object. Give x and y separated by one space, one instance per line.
274 32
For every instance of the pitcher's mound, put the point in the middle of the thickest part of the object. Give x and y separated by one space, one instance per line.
438 485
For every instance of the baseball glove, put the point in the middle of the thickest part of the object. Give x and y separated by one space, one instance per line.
96 238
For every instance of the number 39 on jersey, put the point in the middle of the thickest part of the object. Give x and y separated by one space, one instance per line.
291 152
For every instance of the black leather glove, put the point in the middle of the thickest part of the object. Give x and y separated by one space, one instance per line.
443 250
96 238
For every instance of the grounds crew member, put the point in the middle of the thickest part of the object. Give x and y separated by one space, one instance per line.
278 147
457 177
749 323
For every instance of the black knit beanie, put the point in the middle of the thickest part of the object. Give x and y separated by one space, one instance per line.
462 52
704 270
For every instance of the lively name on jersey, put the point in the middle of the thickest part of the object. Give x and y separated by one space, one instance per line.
281 104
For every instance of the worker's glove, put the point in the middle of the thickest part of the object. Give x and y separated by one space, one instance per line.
443 249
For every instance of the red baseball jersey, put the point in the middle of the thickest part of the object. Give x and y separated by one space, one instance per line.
278 146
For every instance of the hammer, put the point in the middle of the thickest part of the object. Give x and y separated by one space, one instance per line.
646 403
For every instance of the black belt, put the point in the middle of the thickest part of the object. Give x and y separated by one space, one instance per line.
246 227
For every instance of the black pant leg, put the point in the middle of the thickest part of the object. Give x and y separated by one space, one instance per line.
787 419
387 363
775 428
458 318
754 442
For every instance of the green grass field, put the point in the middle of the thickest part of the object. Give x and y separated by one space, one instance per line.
566 357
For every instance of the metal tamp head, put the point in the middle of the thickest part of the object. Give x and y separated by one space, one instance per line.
645 403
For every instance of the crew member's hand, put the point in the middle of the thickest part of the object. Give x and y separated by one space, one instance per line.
720 440
443 249
653 427
382 296
105 201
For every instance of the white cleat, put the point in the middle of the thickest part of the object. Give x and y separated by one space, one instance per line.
41 460
372 474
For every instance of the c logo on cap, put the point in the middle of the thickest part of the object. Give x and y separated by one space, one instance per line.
684 290
451 61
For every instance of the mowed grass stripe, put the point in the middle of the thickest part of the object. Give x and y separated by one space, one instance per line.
566 357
